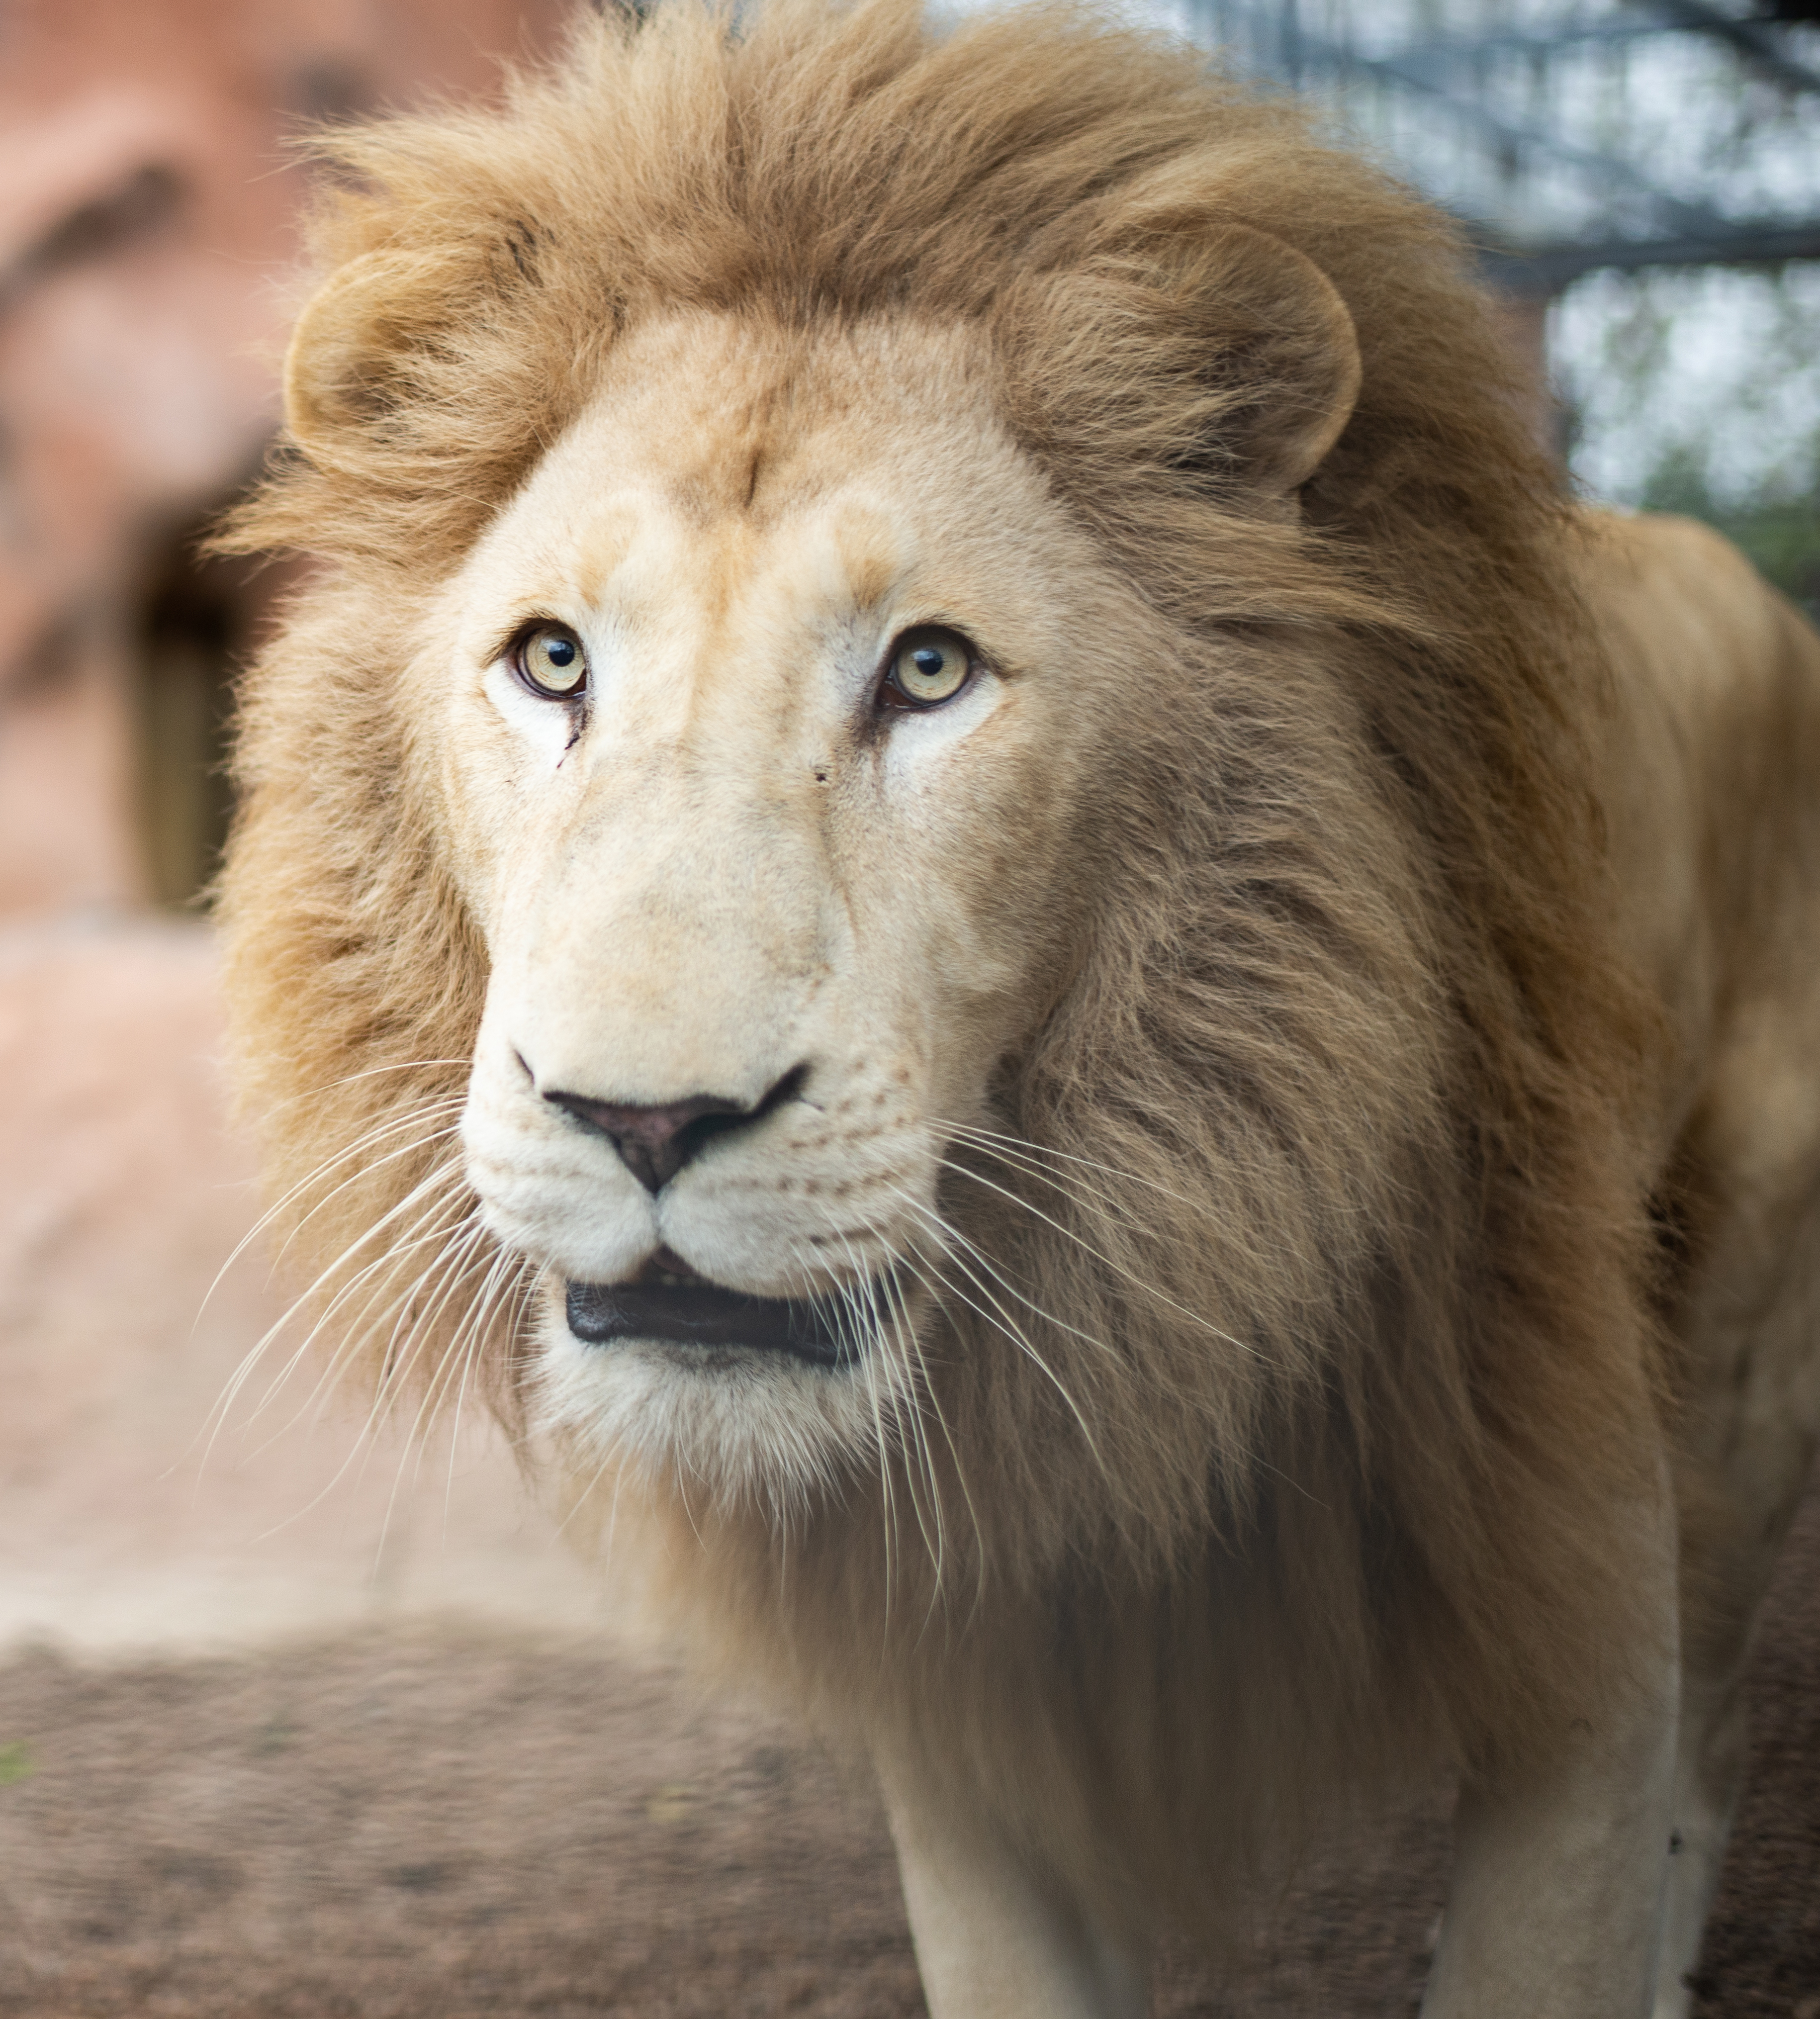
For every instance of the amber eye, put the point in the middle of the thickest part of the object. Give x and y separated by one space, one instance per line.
550 662
927 667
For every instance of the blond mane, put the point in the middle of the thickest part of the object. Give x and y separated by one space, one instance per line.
1334 1263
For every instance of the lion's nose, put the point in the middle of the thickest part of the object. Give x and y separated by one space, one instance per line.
655 1142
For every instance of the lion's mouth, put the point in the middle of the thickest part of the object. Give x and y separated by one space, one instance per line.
672 1304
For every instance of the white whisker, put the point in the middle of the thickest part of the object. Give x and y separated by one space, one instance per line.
443 1176
1002 1320
987 1137
375 1135
1118 1268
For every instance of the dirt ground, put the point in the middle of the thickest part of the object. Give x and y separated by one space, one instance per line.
405 1823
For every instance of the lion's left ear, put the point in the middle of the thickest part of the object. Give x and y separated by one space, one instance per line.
1282 349
1165 337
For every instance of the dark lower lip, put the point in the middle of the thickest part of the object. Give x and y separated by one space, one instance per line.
701 1314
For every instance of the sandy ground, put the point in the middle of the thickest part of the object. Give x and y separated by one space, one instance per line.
256 1764
130 1515
424 1823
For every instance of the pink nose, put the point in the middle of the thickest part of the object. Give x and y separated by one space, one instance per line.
655 1142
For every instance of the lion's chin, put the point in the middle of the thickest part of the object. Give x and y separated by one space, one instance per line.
688 1310
684 1380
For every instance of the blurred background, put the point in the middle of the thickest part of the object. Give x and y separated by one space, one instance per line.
148 213
150 196
222 1643
1643 178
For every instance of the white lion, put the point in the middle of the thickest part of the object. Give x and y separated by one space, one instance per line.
1134 1032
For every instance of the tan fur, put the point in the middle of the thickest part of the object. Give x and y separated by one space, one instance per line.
1287 1430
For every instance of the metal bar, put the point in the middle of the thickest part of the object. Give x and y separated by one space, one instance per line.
1545 269
1688 219
1528 42
1756 40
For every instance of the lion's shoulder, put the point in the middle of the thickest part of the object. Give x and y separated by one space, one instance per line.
1680 604
1713 740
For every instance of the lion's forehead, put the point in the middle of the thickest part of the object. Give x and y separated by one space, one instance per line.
730 486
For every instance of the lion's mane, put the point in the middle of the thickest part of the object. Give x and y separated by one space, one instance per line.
1355 1399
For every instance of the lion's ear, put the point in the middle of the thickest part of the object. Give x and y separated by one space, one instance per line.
352 343
1285 350
1167 337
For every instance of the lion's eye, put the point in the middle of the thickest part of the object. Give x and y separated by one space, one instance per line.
550 662
926 668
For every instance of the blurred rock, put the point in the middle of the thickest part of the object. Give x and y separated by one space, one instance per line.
148 216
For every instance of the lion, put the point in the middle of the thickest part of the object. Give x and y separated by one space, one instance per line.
964 870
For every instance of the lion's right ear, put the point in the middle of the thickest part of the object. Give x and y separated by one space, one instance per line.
355 341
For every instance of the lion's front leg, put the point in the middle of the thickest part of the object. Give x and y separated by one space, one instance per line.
994 1939
1556 1907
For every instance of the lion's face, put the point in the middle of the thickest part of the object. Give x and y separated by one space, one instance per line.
762 715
